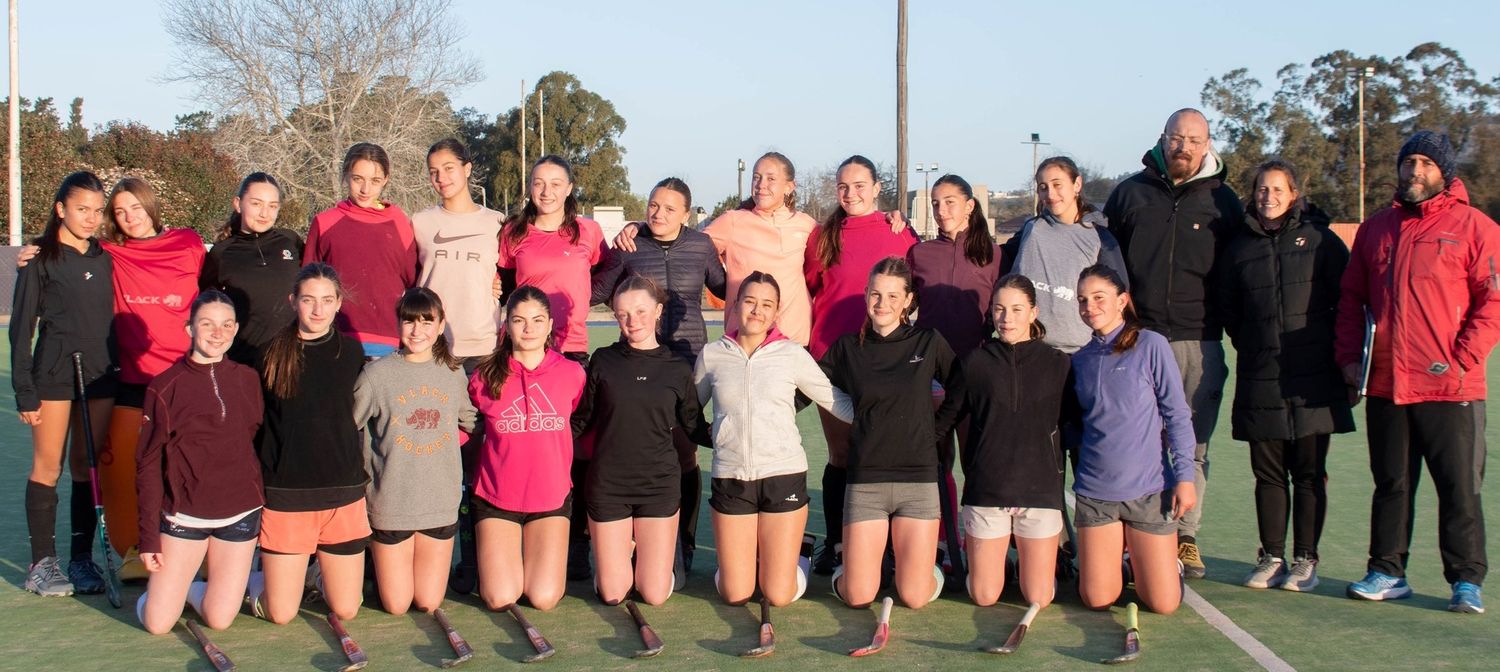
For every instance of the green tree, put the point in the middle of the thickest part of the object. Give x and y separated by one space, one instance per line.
48 153
730 202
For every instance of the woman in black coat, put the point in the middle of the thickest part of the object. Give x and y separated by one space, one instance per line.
1278 290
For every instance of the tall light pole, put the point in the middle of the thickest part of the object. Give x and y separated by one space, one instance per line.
15 129
541 120
521 166
740 181
1365 74
901 106
927 170
1035 142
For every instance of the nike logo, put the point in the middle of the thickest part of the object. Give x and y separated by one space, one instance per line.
915 359
438 239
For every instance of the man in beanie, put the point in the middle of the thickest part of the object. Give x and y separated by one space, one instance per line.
1427 268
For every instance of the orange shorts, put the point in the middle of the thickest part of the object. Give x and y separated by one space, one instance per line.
342 531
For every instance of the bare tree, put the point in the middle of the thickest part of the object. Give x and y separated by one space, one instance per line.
296 82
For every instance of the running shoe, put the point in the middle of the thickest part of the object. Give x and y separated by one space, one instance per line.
1303 576
46 579
1269 572
1192 562
131 567
1466 599
1377 586
85 576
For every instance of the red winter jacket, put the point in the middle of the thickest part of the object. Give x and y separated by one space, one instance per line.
1429 273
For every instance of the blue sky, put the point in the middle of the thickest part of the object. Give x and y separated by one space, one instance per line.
701 84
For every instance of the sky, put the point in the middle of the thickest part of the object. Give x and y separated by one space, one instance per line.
704 83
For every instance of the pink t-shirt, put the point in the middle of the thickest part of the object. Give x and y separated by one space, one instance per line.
561 269
838 305
528 440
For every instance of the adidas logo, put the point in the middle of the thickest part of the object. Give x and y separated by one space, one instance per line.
538 415
792 497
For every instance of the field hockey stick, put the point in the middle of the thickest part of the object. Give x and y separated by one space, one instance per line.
112 577
221 662
949 514
1132 638
1014 641
882 632
653 643
543 648
461 648
767 633
357 658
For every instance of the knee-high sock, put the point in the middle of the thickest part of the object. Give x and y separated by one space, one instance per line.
835 479
41 519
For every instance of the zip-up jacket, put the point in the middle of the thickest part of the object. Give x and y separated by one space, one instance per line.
256 271
633 400
69 304
528 437
777 244
1137 427
682 267
310 453
838 303
953 295
890 380
1171 238
196 455
562 269
1429 273
1051 254
375 253
1013 398
1278 295
155 281
755 412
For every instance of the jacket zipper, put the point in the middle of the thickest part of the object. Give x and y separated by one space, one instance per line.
214 378
670 326
1291 416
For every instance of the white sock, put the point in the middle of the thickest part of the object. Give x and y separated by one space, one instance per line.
837 572
140 609
717 588
254 589
195 594
804 567
937 573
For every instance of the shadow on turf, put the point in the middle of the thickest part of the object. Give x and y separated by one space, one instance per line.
855 627
437 648
1232 573
744 627
627 639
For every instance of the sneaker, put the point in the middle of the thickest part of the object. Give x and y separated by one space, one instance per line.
1192 562
1269 572
1466 599
578 561
46 579
131 567
1377 586
312 583
830 558
85 577
1303 576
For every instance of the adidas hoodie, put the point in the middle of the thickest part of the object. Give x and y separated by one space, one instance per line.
528 440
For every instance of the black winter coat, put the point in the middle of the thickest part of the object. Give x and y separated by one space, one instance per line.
1172 237
1278 293
683 267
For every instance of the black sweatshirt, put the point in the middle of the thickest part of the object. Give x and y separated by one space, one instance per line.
256 270
1013 397
890 379
633 400
72 301
310 454
682 267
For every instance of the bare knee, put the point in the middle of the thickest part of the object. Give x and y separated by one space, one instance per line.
218 622
1161 606
913 601
161 628
497 601
345 613
544 600
780 597
655 598
984 598
281 617
397 608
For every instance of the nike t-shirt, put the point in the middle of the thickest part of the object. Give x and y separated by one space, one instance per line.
563 269
459 254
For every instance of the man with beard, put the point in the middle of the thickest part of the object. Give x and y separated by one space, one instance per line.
1426 269
1173 220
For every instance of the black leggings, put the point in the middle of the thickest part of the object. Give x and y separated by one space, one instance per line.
1305 462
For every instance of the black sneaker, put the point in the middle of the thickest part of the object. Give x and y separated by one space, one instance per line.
829 558
85 577
578 562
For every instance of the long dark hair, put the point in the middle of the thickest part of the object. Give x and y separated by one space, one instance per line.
50 241
282 363
1132 330
235 220
494 369
1066 165
829 234
979 245
1024 285
142 192
791 176
518 226
420 303
895 267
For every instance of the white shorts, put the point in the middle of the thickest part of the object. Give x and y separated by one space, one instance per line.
993 522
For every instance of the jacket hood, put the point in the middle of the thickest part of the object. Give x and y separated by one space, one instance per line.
1091 219
1302 212
550 360
771 337
391 211
1452 195
901 333
1213 166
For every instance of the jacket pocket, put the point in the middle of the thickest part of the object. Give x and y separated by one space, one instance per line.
1437 257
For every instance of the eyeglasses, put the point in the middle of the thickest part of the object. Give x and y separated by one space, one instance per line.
1184 140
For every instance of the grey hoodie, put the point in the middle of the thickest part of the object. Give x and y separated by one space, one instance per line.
1052 254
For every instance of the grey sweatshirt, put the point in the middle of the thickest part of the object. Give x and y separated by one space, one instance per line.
413 413
1052 254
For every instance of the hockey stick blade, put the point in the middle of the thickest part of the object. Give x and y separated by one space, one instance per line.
543 648
461 648
357 658
221 662
767 645
649 638
1132 638
882 631
1013 642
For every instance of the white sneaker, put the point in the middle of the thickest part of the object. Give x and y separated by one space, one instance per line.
1270 572
1303 577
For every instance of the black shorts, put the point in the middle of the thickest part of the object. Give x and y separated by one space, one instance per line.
609 512
481 509
130 395
247 528
773 494
393 537
103 387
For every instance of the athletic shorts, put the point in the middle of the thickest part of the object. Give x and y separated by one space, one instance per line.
247 528
341 531
1151 514
994 522
482 510
609 512
103 387
393 537
882 501
130 395
773 494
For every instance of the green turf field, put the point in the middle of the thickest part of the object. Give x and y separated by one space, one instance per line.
1323 630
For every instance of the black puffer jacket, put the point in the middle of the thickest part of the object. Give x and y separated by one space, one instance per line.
683 267
1172 237
1278 294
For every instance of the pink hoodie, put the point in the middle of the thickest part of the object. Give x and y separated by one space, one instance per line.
375 254
528 440
838 305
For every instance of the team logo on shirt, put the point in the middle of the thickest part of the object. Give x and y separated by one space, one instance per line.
422 419
439 239
916 359
172 301
532 412
88 275
286 255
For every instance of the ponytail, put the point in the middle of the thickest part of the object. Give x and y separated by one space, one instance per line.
1131 332
979 244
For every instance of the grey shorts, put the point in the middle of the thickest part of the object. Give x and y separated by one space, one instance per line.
881 501
1151 514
